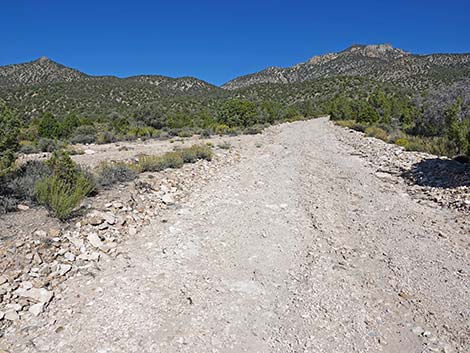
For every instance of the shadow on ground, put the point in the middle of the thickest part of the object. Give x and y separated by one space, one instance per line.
439 173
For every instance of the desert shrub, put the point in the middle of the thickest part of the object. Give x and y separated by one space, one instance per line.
48 145
7 204
60 197
63 167
23 181
194 153
185 133
404 142
9 130
374 131
345 123
233 131
174 159
253 130
105 137
28 148
207 132
63 190
109 174
202 152
163 135
221 129
159 163
19 185
83 139
84 134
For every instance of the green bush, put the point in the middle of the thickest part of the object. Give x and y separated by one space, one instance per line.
63 167
49 145
28 148
60 197
238 112
9 130
403 142
68 184
109 174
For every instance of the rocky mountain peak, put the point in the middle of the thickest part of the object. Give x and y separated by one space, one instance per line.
43 59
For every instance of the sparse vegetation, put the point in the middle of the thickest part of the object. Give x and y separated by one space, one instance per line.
174 159
108 174
61 197
65 188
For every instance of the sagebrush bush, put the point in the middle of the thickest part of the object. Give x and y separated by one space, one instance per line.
27 147
159 163
254 130
174 159
48 145
23 181
108 174
60 197
105 137
83 139
63 190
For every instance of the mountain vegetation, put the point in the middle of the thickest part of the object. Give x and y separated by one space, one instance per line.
422 101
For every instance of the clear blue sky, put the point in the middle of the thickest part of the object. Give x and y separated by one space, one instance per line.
218 40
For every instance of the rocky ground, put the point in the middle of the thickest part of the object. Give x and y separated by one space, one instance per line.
308 238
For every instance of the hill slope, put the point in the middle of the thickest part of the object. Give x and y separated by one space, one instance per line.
380 62
40 71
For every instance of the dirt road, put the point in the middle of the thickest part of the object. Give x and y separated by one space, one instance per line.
299 247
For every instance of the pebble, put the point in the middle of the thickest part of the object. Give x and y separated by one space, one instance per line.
22 207
95 220
109 218
41 295
64 269
36 309
69 256
11 315
94 240
418 330
167 199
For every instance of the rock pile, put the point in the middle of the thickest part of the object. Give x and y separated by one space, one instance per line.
441 181
34 268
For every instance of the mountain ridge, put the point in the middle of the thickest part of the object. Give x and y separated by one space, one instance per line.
377 61
44 71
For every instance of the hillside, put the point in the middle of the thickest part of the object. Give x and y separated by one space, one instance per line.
40 71
380 62
44 85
